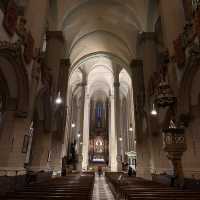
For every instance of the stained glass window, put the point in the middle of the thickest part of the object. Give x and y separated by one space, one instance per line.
99 114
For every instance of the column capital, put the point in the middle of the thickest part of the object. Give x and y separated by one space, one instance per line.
135 63
116 84
83 84
146 36
55 34
65 62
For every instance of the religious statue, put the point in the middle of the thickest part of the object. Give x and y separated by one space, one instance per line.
21 28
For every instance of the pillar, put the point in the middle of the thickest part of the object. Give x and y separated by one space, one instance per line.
125 131
86 129
112 136
81 121
158 161
142 135
43 140
58 145
37 22
117 117
172 20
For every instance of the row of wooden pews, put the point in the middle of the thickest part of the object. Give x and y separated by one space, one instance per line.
74 186
132 188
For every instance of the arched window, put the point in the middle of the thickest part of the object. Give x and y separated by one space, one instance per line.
99 114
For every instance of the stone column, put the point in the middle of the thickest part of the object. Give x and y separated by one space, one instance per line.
37 22
142 135
42 139
158 161
58 137
81 121
109 131
172 20
117 118
112 136
122 147
149 57
125 131
86 129
54 53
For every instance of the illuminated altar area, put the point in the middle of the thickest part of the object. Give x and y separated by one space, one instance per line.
98 151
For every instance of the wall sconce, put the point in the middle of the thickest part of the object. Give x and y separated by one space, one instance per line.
79 135
58 99
120 139
154 111
130 128
73 125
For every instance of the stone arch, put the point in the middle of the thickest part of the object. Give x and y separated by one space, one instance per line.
119 39
86 2
184 97
110 56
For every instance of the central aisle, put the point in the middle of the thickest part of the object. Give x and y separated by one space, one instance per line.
101 189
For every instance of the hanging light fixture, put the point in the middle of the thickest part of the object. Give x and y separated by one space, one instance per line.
130 128
164 95
120 139
79 135
154 111
58 99
73 125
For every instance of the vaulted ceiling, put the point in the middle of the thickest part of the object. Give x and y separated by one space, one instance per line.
95 27
104 25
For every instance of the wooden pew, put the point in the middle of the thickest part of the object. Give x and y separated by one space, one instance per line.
132 188
74 186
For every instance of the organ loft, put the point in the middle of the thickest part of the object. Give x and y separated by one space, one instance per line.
99 99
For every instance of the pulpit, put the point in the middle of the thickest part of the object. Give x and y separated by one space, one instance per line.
174 144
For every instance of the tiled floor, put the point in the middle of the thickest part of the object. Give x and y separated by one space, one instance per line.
101 189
